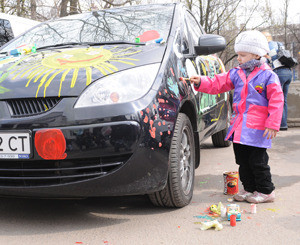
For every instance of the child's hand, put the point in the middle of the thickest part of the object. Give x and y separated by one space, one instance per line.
270 133
195 79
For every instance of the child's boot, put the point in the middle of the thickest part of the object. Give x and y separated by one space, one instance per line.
242 195
258 197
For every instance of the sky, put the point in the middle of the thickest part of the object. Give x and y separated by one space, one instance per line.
293 10
278 8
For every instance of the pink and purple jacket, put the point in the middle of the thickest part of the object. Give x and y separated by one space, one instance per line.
257 103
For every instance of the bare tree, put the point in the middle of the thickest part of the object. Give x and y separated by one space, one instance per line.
222 17
64 8
116 3
18 7
74 6
2 5
33 9
104 4
285 16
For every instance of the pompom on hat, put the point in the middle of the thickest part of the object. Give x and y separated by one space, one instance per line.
253 42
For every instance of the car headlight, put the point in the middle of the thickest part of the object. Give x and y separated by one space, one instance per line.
122 87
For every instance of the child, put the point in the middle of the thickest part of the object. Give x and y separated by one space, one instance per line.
257 111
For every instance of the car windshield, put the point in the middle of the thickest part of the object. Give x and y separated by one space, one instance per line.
112 25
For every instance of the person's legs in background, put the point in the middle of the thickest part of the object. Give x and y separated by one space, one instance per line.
285 89
285 77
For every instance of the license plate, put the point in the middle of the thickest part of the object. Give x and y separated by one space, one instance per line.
15 145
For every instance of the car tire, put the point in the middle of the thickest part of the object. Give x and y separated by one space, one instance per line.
178 191
218 138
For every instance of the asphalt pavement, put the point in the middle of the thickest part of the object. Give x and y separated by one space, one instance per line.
274 223
134 221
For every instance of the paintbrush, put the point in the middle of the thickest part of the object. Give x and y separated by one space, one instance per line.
185 78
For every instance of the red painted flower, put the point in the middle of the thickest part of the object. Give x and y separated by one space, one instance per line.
149 35
50 144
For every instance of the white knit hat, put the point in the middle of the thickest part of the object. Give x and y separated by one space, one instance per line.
253 42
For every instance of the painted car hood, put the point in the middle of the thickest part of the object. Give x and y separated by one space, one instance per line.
67 72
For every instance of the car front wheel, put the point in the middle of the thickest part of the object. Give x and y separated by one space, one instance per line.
179 189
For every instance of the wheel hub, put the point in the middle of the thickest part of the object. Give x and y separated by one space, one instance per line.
186 169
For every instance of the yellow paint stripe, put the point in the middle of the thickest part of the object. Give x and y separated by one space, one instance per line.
3 90
113 48
43 80
112 66
30 69
63 77
18 62
123 50
104 66
42 73
121 61
101 70
25 70
75 75
5 75
203 67
127 54
216 119
18 69
50 80
6 60
88 72
125 58
33 74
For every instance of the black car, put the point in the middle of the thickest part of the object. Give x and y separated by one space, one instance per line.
95 105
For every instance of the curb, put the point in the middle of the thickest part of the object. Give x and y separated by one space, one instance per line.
293 119
293 122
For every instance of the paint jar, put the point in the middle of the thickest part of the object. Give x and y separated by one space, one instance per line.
253 208
223 212
232 220
231 183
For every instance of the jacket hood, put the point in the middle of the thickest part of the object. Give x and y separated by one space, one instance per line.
67 72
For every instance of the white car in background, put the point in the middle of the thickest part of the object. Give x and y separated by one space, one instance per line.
12 26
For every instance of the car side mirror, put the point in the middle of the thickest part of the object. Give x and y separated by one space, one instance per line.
210 44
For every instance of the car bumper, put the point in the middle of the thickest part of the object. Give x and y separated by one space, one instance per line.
103 159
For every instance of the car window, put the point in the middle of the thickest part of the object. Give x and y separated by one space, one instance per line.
194 28
177 44
185 46
6 33
120 24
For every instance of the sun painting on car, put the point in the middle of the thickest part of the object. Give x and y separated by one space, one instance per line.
70 62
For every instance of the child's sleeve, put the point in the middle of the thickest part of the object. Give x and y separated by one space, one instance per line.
275 106
220 83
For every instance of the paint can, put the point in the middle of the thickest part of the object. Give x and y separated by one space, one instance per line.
223 212
231 183
253 208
